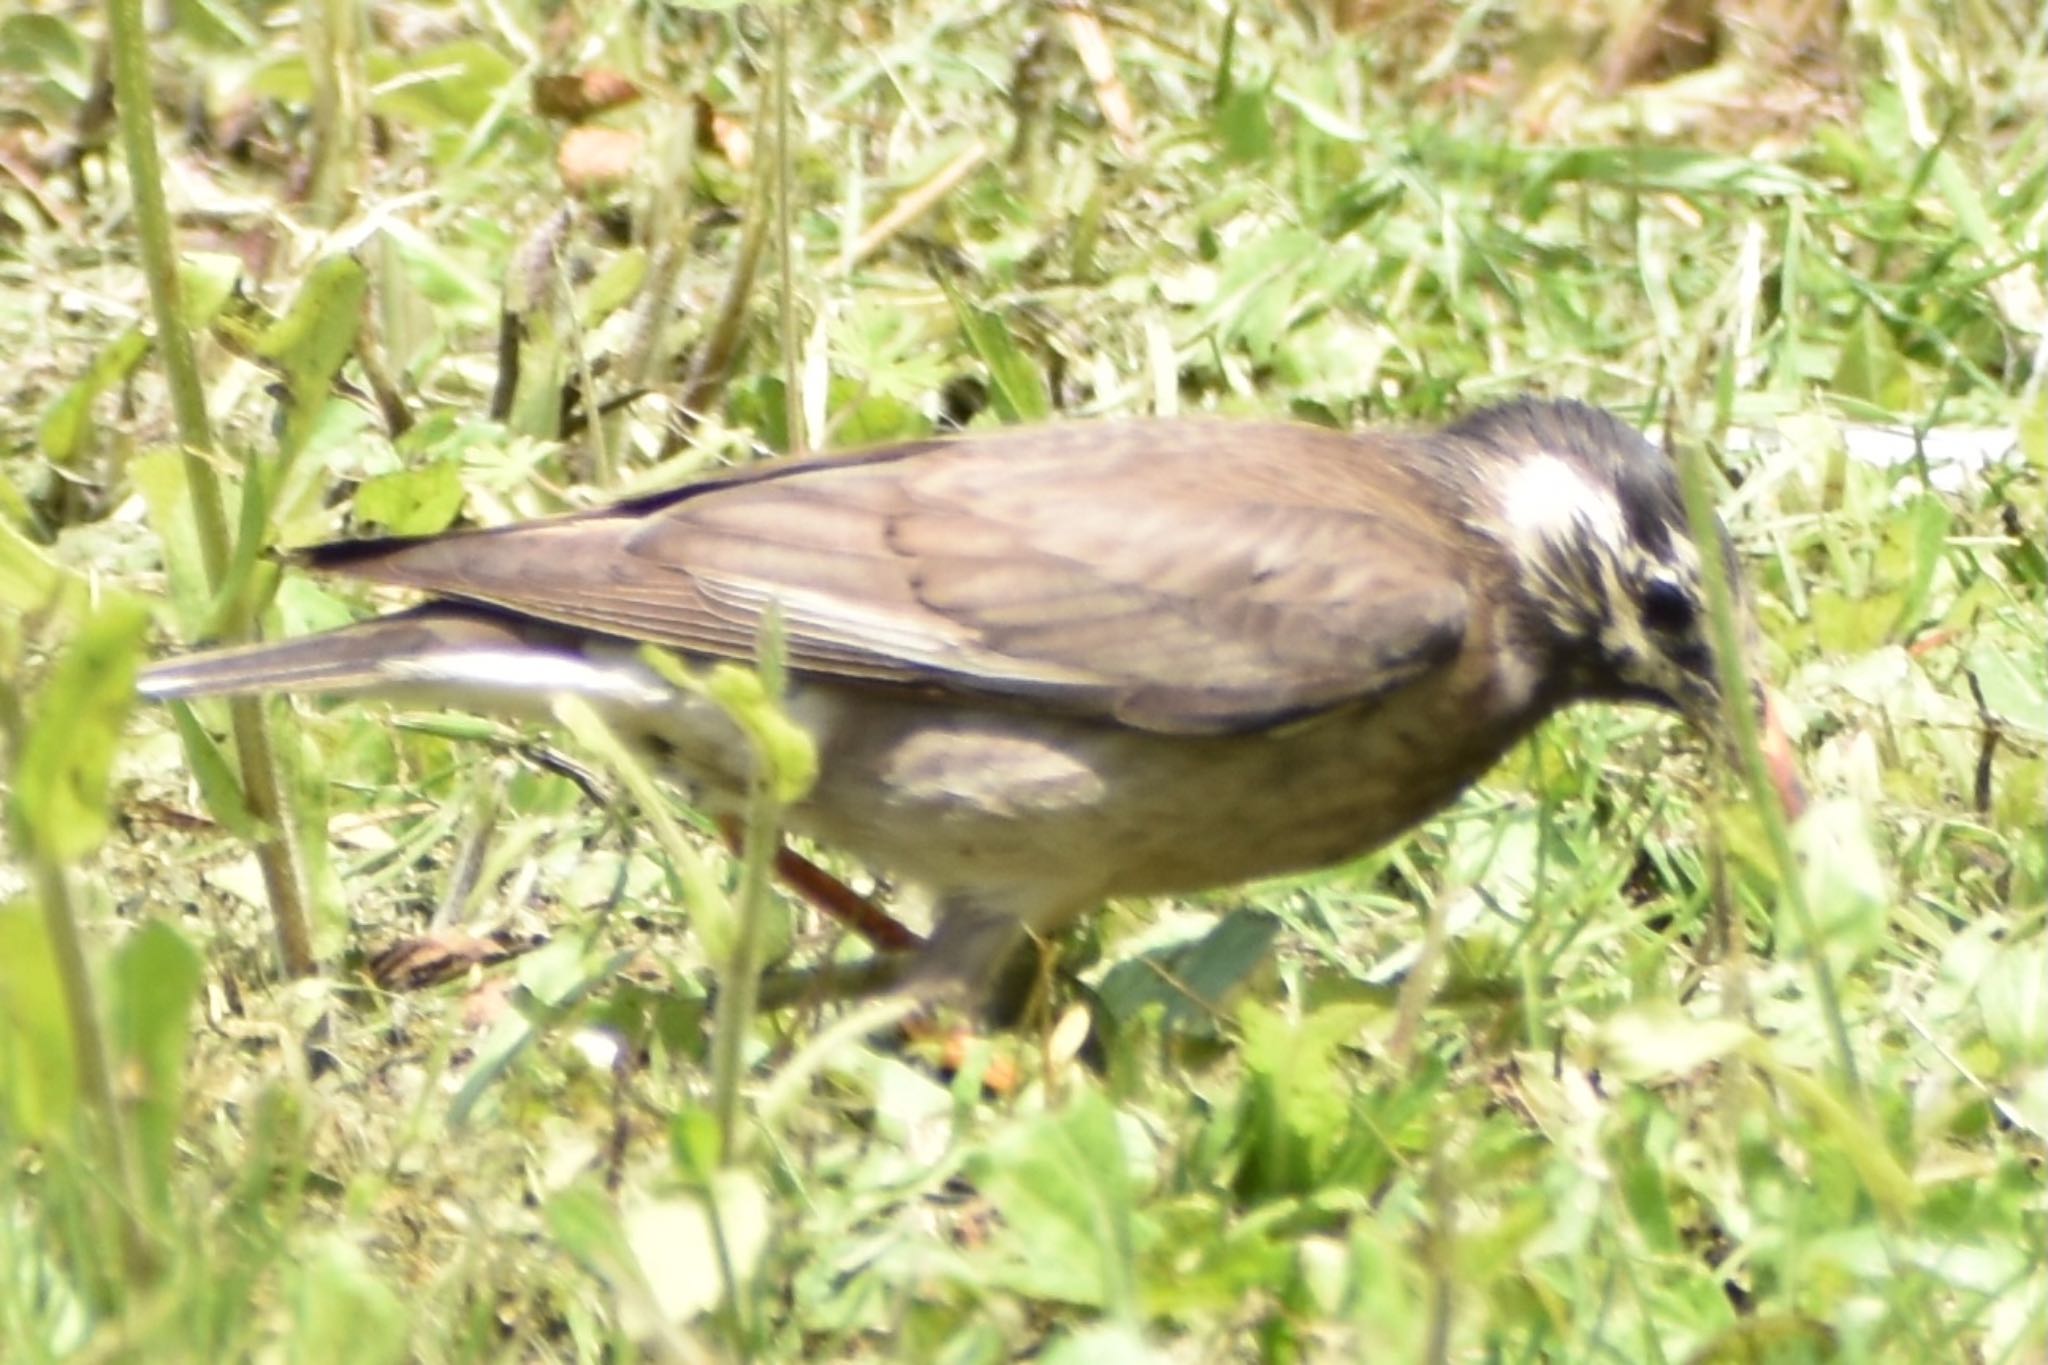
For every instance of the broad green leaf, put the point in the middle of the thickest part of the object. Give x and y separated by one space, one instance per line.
1872 368
1677 169
1659 1042
1016 386
451 84
1105 1343
874 419
14 508
756 404
784 749
153 981
693 1143
1192 981
1848 891
613 286
1927 526
310 342
1244 125
67 421
344 1311
29 581
2013 689
1296 1107
1848 1132
2012 995
38 1076
313 337
412 502
43 44
160 475
220 787
1062 1185
586 1225
677 1241
59 806
206 281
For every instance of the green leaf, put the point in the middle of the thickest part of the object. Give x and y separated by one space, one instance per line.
1191 981
661 1257
43 44
1016 386
1676 169
1103 1343
206 281
1847 889
685 1244
2013 690
788 758
59 806
160 476
153 982
693 1143
38 1077
613 286
343 1311
1848 1132
1927 525
451 84
315 335
220 787
756 404
1659 1042
412 502
29 581
1872 368
1063 1187
2013 998
68 420
1244 125
1295 1109
587 1227
874 419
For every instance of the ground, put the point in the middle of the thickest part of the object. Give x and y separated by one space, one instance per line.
1608 1063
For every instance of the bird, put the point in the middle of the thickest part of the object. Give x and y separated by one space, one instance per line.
1051 665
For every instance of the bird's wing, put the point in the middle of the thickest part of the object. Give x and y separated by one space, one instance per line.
1192 577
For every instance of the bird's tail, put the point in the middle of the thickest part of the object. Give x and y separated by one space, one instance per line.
389 653
470 659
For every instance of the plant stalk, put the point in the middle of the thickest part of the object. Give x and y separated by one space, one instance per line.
276 851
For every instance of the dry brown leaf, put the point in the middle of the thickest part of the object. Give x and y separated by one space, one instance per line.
594 158
722 134
578 95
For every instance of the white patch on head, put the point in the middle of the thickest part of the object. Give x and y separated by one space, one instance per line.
1579 561
1548 499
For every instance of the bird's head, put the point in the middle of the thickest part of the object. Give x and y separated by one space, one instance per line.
1595 528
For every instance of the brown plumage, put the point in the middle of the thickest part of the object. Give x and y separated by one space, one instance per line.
1048 665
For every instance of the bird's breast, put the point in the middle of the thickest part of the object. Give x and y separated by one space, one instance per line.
1052 814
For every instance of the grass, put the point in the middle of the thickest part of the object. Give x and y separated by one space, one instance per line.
1551 1079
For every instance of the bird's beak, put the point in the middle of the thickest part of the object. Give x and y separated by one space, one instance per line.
1701 705
1780 760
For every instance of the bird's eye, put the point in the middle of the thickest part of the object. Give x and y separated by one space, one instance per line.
1668 608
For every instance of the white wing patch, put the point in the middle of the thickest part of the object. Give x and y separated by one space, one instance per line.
527 675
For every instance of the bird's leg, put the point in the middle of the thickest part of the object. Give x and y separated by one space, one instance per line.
980 957
782 988
834 897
